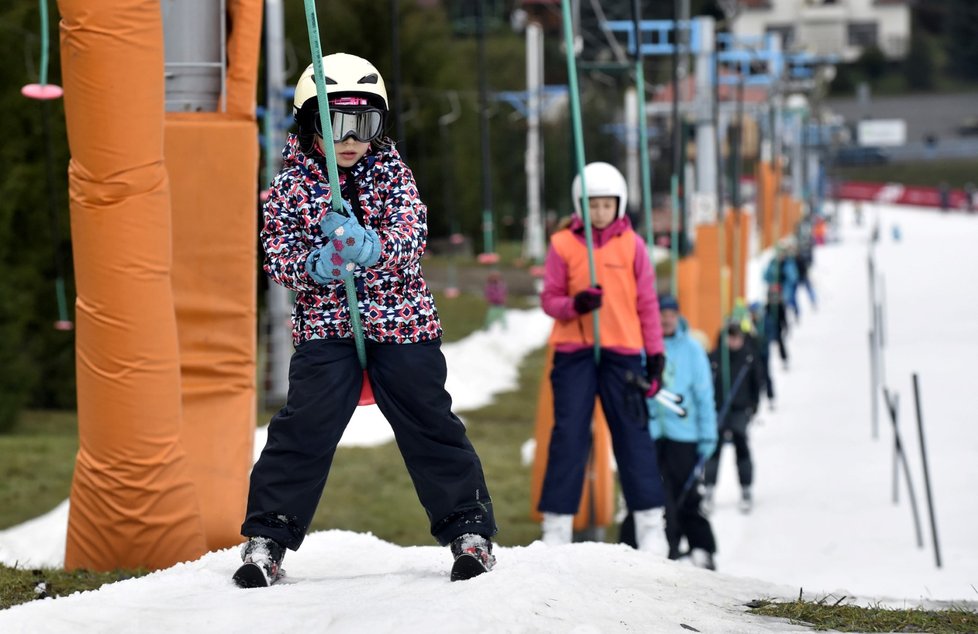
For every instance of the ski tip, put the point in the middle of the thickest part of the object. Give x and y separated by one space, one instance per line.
466 567
250 575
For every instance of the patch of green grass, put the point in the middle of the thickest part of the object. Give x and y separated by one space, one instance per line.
510 254
37 458
822 615
20 585
369 489
463 315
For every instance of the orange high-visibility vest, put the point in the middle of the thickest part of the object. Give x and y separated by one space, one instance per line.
614 264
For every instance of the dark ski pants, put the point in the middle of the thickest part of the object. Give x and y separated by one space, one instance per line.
782 349
735 430
408 382
576 380
807 285
766 371
676 462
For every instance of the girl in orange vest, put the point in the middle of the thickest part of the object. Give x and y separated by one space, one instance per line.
629 331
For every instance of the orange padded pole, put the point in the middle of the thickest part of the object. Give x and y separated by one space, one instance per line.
213 165
710 290
133 503
212 160
688 292
766 191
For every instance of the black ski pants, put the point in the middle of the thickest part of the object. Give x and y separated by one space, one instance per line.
576 380
408 383
735 430
683 516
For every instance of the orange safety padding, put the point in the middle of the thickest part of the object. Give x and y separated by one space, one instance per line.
709 290
784 208
133 503
793 208
687 278
767 184
737 228
244 43
213 166
599 479
784 217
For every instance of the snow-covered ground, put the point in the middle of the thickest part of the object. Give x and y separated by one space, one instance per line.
824 519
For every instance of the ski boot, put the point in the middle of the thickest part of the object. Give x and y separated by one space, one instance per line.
557 528
702 558
473 556
262 565
746 500
650 532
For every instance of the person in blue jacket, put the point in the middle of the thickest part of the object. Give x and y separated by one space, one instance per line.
782 272
684 444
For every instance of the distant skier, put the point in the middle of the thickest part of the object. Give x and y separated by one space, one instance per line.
763 345
495 294
684 443
776 322
311 250
803 264
735 410
783 272
629 327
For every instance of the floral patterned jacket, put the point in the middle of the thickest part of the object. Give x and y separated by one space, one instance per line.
395 303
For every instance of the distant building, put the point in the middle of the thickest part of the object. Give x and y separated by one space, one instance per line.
824 27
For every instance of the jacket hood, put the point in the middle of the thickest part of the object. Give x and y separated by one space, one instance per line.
682 329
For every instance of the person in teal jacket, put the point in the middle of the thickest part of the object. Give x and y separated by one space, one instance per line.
683 444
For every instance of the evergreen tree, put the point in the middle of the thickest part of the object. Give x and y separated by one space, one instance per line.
872 62
919 67
36 361
961 42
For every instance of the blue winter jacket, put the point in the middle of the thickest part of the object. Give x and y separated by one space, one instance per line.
688 374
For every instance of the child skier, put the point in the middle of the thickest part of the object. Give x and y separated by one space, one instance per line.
736 404
685 443
629 326
309 249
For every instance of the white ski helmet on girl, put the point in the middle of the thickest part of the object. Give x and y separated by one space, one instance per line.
345 74
601 179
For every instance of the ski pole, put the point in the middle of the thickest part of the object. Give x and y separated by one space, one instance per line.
694 475
734 388
312 23
575 108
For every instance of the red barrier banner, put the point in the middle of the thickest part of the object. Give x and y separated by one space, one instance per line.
897 194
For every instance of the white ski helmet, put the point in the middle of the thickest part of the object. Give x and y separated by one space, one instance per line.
345 74
601 179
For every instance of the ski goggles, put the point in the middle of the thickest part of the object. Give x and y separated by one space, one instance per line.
363 123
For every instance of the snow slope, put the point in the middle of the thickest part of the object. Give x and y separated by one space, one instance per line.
824 519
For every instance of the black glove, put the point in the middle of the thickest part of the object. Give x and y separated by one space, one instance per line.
587 300
653 372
